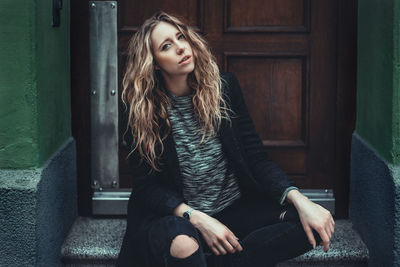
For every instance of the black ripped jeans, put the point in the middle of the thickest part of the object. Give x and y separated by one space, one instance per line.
266 240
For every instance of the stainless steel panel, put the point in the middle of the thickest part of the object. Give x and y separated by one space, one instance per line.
115 203
104 94
323 197
110 203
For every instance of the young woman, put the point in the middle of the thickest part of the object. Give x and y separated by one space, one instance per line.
204 191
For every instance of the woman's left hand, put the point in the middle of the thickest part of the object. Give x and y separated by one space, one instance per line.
313 216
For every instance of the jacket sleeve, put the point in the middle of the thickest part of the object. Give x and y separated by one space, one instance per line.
152 190
273 180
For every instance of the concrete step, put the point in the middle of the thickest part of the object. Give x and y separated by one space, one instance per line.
96 242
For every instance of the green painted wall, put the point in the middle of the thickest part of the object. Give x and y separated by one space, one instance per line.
377 78
34 83
18 95
53 78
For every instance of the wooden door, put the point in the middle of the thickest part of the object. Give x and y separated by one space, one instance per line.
285 55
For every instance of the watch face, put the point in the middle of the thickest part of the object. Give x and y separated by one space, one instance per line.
186 215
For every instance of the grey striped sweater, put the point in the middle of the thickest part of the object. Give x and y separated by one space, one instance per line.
209 185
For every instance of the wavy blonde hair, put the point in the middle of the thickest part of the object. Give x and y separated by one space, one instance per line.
145 94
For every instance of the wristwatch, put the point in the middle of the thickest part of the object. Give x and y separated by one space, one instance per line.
186 214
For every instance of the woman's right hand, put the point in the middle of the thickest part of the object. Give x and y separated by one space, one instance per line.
217 236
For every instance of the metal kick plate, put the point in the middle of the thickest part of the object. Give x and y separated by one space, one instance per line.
103 95
110 203
116 203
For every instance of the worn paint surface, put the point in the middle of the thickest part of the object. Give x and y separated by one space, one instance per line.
375 74
34 83
53 79
18 96
378 117
396 83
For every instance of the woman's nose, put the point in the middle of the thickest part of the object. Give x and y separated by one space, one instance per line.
180 48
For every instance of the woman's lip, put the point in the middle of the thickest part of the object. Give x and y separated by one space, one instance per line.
186 61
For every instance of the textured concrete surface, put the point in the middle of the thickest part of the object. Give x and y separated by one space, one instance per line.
96 242
18 217
37 209
99 239
346 249
374 203
93 240
56 208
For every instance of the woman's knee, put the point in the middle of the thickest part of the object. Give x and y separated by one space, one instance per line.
165 231
182 246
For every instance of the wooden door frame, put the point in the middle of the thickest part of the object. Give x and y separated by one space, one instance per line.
346 100
345 108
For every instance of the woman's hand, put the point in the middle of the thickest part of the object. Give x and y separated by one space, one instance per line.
217 236
313 216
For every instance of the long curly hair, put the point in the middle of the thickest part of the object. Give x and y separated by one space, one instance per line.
144 91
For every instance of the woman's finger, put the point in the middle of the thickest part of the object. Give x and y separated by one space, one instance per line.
327 229
328 232
235 243
331 230
211 245
228 246
220 248
310 236
214 250
332 225
325 239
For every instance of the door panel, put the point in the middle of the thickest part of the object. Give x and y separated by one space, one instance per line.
134 12
266 16
274 95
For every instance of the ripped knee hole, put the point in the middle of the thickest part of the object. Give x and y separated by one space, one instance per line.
182 246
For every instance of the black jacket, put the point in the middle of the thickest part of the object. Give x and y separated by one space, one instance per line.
158 194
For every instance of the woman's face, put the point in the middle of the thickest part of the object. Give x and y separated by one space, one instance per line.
172 51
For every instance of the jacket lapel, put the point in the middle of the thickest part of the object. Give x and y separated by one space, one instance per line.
233 153
172 161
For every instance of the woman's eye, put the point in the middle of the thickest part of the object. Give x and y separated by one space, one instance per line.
181 36
165 46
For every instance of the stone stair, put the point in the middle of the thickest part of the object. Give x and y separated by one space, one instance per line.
96 242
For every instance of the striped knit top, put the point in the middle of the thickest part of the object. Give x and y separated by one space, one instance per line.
209 185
